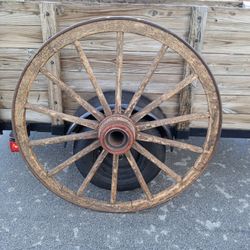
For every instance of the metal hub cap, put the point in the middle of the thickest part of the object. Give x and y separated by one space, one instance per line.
116 134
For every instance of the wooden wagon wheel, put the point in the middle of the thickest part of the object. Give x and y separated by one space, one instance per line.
125 122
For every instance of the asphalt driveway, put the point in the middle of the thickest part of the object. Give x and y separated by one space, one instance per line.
214 213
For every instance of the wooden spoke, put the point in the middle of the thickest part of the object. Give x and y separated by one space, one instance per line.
185 82
119 60
70 92
66 117
155 139
74 158
138 174
114 178
157 162
92 78
92 172
64 138
169 121
146 80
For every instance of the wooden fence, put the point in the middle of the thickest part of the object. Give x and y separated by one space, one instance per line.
220 33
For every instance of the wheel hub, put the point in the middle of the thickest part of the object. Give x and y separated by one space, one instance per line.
116 134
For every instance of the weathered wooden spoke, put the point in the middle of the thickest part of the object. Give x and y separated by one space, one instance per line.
66 117
74 158
114 178
138 174
64 138
70 92
92 78
146 80
172 143
170 121
157 162
154 104
92 172
119 60
117 132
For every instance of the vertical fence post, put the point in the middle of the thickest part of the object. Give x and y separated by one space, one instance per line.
49 28
197 27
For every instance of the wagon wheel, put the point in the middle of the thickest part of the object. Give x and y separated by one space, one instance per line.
117 131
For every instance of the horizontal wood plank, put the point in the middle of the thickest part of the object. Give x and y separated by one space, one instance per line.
134 61
6 115
36 97
228 19
226 50
228 42
230 104
230 121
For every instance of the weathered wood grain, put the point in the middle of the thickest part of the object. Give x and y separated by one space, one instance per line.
115 167
36 97
119 67
71 93
228 19
230 121
134 62
146 80
157 162
195 39
92 78
6 115
20 37
164 97
64 138
66 117
74 158
49 28
21 104
219 19
139 175
227 42
232 104
172 143
141 126
227 35
92 172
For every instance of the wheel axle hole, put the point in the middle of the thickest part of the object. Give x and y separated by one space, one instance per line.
117 138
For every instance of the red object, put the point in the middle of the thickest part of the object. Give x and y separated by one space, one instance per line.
13 147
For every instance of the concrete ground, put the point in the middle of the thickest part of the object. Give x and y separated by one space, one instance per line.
214 213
